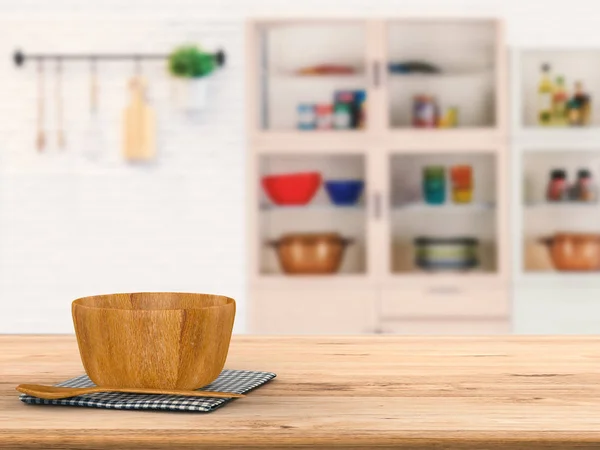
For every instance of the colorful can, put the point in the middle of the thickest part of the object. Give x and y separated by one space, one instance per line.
452 114
343 97
324 116
360 99
434 185
307 119
342 118
462 183
425 112
450 118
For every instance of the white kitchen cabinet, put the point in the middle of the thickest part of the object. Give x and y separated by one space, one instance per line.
446 327
390 156
551 310
546 300
445 301
313 311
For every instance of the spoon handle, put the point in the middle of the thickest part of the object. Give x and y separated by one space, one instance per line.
171 392
58 392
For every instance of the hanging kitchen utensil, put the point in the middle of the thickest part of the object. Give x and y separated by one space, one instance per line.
139 123
60 134
93 139
41 137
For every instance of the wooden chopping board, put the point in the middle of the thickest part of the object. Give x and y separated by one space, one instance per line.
139 125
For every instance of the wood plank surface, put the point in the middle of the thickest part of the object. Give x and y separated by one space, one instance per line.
346 392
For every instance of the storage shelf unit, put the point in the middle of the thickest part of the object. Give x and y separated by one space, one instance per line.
370 290
547 300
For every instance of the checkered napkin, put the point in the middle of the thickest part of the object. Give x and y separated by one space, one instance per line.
238 381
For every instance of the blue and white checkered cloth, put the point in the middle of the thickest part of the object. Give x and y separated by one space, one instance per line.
238 381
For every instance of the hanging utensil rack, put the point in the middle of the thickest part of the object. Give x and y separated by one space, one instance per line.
20 57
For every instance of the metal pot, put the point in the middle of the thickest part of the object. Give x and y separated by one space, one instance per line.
433 253
574 252
310 253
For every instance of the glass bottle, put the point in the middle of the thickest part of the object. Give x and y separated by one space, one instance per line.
584 189
557 186
559 101
583 101
545 97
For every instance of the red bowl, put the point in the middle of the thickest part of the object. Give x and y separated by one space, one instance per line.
293 188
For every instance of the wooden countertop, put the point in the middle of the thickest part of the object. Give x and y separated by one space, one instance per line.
351 392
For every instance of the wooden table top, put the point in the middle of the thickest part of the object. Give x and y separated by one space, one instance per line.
346 392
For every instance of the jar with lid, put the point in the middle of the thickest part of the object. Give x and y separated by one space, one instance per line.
342 116
434 185
584 189
557 186
324 116
307 119
462 184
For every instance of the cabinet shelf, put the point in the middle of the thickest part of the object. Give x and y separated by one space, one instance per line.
447 207
318 208
454 280
332 281
310 142
358 77
442 76
556 279
539 139
558 205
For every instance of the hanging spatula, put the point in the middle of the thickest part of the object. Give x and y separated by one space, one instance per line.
139 125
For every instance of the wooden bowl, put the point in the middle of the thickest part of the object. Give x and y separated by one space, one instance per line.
155 340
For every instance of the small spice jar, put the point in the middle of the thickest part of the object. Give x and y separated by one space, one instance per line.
342 117
324 116
557 186
462 184
584 189
307 119
434 185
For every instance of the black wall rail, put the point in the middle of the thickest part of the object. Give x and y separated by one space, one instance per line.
21 57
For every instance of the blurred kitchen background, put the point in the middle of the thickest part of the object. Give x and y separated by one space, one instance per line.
81 219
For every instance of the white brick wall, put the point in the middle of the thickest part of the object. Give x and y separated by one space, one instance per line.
70 228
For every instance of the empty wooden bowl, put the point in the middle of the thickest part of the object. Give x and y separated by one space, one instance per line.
155 340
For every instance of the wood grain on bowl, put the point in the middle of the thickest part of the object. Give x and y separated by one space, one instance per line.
153 340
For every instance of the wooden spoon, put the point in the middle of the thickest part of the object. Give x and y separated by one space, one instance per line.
57 392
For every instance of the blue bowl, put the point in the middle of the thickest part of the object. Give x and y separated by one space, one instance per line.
344 192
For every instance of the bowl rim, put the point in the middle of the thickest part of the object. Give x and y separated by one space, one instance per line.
79 301
288 175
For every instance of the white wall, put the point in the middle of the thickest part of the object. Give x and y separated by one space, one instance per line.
70 228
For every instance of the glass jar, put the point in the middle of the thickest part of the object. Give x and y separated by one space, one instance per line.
324 116
307 119
557 186
462 184
342 117
584 190
434 185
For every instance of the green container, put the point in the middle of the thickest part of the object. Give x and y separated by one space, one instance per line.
434 172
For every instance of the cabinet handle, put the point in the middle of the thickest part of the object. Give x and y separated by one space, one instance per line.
377 205
376 74
445 290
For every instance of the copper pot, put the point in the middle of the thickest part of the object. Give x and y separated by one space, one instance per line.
311 253
574 252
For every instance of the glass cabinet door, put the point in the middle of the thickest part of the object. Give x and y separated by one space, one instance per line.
443 216
442 74
561 215
559 89
312 75
311 215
